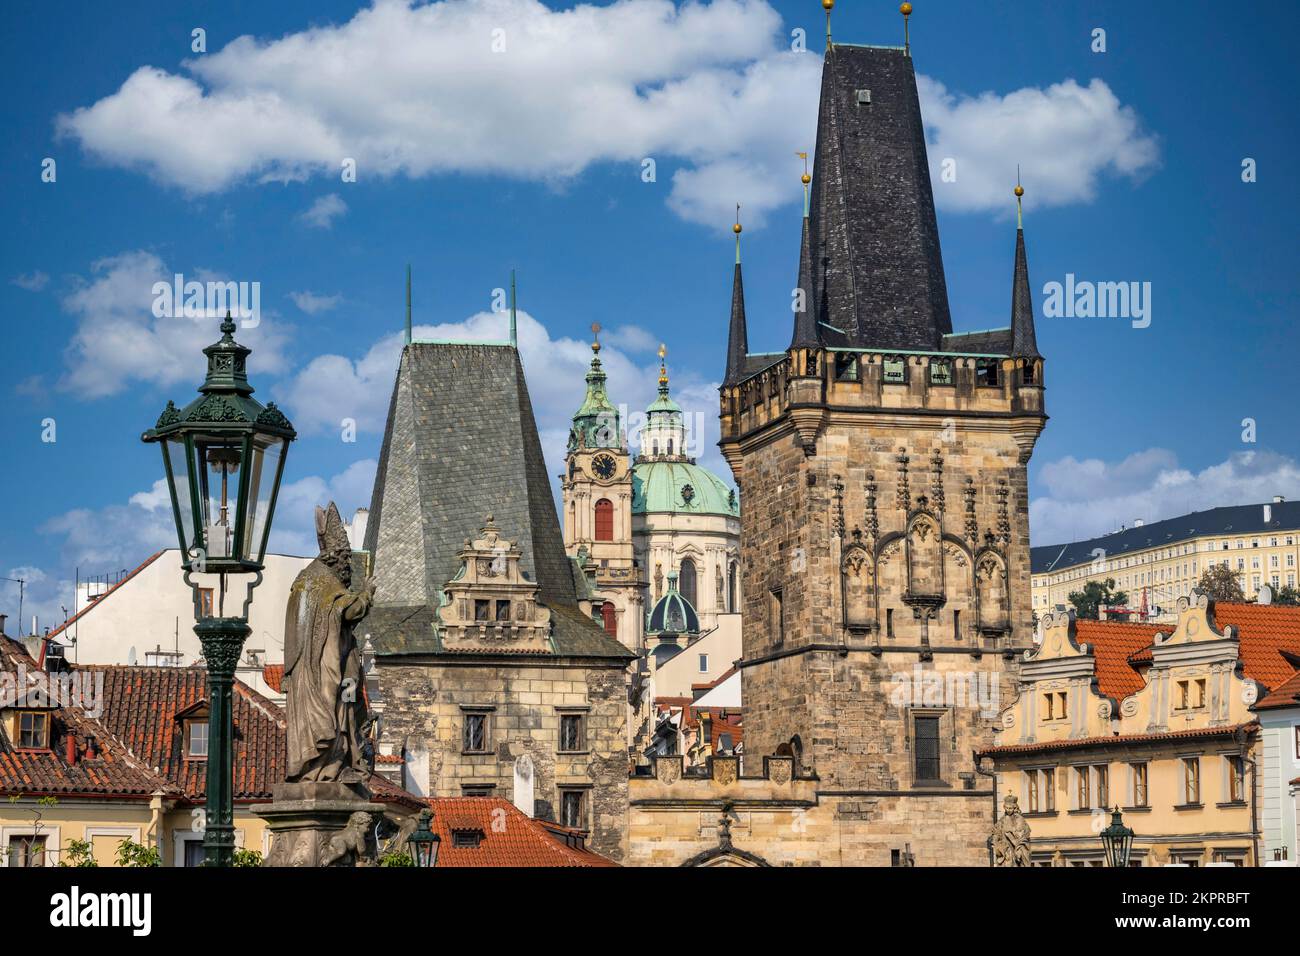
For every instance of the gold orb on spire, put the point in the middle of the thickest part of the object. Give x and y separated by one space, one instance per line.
805 179
828 5
905 9
1020 190
736 228
595 337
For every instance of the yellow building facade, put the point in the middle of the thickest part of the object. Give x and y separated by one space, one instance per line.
1164 732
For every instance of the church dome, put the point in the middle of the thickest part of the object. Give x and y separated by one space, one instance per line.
660 485
673 614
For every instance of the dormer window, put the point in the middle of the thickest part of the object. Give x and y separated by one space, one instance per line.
196 739
33 730
466 839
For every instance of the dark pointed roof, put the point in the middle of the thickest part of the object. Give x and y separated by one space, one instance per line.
877 268
738 334
805 321
461 442
1023 342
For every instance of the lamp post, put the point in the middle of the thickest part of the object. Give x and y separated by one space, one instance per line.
223 455
424 842
1117 840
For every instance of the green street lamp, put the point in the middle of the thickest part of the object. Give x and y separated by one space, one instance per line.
424 842
1117 839
223 454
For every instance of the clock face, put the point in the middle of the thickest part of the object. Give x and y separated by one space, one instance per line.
604 467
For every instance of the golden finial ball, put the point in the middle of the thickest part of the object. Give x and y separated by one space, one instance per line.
827 5
905 9
1020 191
805 179
736 228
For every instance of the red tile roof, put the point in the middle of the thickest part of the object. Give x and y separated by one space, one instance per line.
1112 643
509 838
273 674
1266 631
112 772
99 600
1079 743
1286 694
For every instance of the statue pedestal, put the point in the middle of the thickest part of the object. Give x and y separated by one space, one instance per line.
314 824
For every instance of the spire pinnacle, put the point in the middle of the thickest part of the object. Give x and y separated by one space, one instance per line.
1023 340
408 303
805 179
906 10
595 338
737 230
663 370
514 324
828 6
1020 192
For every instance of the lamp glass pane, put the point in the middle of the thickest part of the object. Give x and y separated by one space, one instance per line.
263 466
218 461
178 474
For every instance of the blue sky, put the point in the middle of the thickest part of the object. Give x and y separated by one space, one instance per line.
473 161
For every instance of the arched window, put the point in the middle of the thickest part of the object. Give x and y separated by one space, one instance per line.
609 618
687 582
604 520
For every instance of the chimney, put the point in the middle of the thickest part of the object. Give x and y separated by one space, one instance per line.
70 748
1138 522
357 530
3 618
91 752
1279 499
1268 514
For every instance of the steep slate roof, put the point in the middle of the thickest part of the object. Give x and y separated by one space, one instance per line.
113 772
509 836
877 269
461 442
1227 521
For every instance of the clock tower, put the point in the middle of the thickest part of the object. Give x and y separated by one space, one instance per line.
597 493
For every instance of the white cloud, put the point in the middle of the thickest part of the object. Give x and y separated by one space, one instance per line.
322 213
32 282
119 342
711 92
1064 138
311 303
1092 497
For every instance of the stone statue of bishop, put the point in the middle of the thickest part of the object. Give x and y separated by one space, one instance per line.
326 709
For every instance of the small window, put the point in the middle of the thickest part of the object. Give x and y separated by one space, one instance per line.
466 839
1139 795
605 517
33 730
846 367
1031 790
196 738
927 749
1236 779
1103 786
940 372
1049 790
573 733
1191 781
776 615
482 610
704 663
503 612
1083 795
573 810
205 602
895 371
27 851
476 733
1028 374
889 622
476 790
988 372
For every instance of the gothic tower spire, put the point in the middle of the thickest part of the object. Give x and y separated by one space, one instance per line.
596 423
1024 344
737 335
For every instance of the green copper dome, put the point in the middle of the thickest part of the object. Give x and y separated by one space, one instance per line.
673 614
681 486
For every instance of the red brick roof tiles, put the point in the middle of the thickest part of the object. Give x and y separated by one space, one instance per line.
1078 743
1112 643
1286 694
1266 632
510 837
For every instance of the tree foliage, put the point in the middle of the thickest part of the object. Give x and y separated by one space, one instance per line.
1220 584
1095 596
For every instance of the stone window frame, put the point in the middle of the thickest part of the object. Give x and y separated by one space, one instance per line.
938 714
582 790
581 712
484 711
